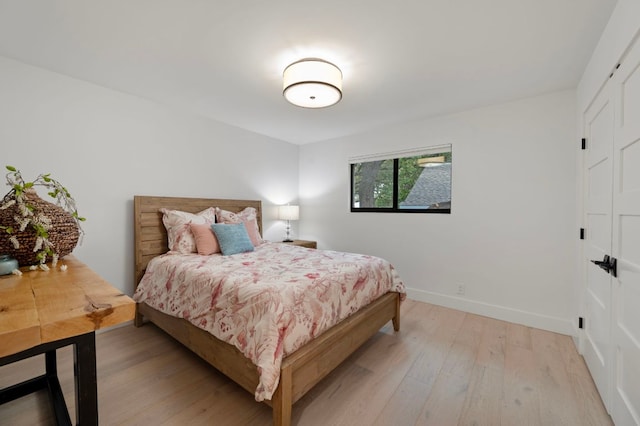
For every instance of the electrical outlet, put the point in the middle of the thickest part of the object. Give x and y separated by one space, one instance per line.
461 289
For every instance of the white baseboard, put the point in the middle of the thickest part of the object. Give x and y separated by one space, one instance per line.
530 319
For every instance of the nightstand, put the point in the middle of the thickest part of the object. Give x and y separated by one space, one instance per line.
303 243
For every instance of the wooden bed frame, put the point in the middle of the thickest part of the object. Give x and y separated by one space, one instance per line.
300 370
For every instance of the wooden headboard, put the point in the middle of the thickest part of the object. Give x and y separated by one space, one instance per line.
149 232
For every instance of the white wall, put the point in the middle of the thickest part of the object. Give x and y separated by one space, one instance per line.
106 147
510 238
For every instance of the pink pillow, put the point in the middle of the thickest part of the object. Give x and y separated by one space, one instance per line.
253 231
177 224
248 216
206 241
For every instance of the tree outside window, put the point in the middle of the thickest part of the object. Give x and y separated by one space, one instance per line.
418 183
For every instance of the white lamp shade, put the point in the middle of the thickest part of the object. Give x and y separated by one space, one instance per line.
312 83
288 212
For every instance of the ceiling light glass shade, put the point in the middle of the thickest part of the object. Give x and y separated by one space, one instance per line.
312 83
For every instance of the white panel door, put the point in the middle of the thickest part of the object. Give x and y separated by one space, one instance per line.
598 175
625 396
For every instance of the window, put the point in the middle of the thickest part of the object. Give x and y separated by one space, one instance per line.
416 181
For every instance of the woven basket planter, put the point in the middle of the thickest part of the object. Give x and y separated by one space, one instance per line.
63 234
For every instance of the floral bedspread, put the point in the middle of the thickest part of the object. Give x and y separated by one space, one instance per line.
268 302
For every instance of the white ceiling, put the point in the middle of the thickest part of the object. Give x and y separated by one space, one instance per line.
401 59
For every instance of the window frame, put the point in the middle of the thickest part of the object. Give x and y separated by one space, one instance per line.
396 166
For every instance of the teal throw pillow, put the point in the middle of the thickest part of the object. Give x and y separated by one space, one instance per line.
233 238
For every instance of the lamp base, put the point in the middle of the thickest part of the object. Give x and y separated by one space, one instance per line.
287 241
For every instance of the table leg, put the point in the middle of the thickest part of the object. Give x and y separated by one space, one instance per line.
85 379
55 391
86 384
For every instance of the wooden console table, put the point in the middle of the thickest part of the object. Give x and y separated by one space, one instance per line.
41 311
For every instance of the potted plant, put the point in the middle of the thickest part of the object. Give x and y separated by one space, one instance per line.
35 231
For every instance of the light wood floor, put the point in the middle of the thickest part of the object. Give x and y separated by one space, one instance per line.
445 367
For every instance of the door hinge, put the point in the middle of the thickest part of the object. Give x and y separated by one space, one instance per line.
614 71
582 233
580 322
584 143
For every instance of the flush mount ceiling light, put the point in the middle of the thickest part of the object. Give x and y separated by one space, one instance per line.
312 83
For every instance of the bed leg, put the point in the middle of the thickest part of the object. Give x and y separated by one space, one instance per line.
282 402
396 318
137 319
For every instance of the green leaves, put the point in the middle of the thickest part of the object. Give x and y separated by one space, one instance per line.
28 211
75 216
41 231
7 229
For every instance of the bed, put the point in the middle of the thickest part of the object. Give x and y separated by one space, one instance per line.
300 370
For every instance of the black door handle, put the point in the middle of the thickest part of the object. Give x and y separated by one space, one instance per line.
604 263
609 264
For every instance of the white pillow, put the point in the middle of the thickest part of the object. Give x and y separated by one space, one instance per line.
177 223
